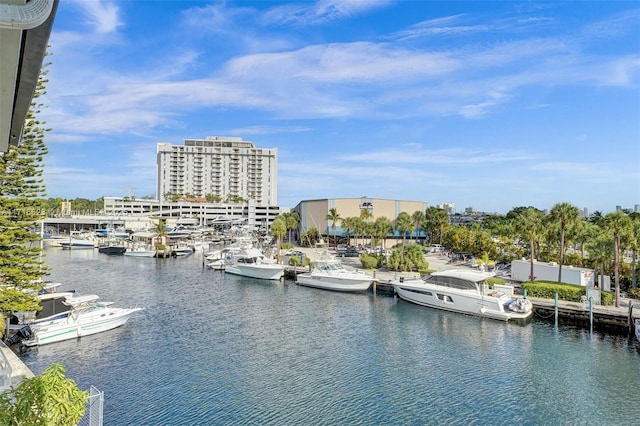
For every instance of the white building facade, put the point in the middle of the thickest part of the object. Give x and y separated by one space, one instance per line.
225 168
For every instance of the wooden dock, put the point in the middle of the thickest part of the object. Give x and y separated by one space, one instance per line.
604 318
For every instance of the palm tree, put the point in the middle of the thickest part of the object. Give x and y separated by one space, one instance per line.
635 245
334 217
418 218
349 225
528 223
435 220
619 225
160 231
278 229
382 228
599 249
291 220
404 224
585 231
565 216
365 215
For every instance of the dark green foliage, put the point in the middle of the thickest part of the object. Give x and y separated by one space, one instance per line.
567 292
22 205
495 280
407 259
369 262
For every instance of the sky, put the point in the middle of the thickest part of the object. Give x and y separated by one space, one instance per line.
491 105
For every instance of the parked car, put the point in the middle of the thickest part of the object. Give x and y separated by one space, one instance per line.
434 248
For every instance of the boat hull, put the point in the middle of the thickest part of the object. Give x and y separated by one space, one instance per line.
334 283
264 272
77 246
140 253
112 250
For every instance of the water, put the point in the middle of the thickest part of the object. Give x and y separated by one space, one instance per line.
216 349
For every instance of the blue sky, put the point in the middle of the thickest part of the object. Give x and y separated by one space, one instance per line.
491 105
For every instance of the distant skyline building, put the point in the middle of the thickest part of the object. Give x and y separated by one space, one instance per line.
218 168
448 207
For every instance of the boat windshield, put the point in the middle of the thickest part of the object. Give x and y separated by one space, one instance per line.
452 282
331 266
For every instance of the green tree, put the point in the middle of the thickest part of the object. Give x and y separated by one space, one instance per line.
564 216
599 249
349 225
383 226
435 221
50 399
334 217
278 229
365 215
404 224
635 246
619 225
418 218
22 205
291 220
529 225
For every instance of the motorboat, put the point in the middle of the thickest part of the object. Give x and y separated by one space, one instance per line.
138 250
85 316
329 273
182 250
251 262
465 291
216 259
78 241
217 264
113 248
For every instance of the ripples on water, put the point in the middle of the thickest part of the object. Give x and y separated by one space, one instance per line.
211 348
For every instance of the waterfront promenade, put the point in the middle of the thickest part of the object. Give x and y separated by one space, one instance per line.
11 364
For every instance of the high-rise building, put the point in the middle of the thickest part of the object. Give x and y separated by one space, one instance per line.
218 168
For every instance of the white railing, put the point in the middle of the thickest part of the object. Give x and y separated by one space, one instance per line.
93 416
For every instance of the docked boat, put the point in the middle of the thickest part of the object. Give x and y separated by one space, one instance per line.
78 241
637 328
216 259
217 264
329 273
182 250
251 262
138 250
113 249
464 291
85 316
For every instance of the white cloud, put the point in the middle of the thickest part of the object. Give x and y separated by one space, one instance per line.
103 16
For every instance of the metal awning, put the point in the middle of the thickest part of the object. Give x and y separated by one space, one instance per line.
25 27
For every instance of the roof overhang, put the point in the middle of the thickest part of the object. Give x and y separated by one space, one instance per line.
25 27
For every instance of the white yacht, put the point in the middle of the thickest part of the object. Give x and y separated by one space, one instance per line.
329 273
85 316
465 291
251 262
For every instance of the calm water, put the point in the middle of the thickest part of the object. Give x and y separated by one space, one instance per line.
215 349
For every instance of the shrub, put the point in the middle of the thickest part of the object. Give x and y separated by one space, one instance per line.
568 292
294 261
286 246
495 280
634 293
368 261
